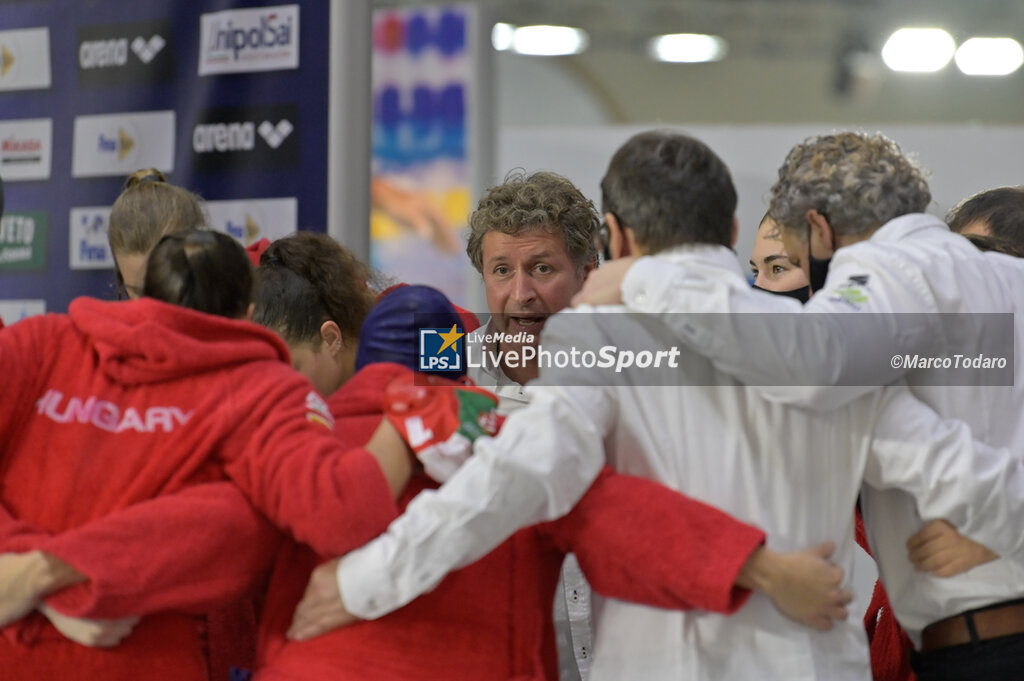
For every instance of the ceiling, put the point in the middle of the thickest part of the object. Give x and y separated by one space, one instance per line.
787 61
763 28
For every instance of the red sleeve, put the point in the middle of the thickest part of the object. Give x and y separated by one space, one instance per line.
639 541
255 250
287 459
195 550
17 536
27 352
22 345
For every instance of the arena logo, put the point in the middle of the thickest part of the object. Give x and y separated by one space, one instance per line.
146 50
239 136
118 53
274 135
246 136
98 54
262 39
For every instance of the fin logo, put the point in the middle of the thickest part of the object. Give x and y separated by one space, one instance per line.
146 50
6 60
247 232
88 246
441 349
274 135
122 144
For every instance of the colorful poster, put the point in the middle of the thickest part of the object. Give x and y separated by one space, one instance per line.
421 189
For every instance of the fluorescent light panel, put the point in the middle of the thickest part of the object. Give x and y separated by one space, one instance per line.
989 56
545 41
688 48
919 50
501 36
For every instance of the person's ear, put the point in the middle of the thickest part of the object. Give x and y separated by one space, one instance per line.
331 337
617 243
821 232
249 312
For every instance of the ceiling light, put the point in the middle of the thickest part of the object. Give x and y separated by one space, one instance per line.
921 50
501 36
989 56
686 47
548 41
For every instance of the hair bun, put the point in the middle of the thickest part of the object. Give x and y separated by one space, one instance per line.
144 176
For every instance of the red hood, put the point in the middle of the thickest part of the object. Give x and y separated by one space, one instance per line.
363 394
147 341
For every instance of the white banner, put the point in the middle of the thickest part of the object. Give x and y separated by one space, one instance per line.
241 40
120 144
25 59
250 220
12 311
26 149
88 247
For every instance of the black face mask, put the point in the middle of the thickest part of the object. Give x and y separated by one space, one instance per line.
803 294
818 270
818 266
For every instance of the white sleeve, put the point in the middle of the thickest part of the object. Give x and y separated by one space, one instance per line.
540 464
815 356
977 488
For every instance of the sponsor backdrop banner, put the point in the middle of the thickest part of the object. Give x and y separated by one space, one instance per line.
229 98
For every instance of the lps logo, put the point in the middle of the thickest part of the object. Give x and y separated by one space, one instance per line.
244 137
88 248
441 349
137 52
118 144
25 59
25 147
263 39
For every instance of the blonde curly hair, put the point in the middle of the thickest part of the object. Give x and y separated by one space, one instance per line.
858 181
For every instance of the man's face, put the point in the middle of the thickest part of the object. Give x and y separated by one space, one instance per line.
527 278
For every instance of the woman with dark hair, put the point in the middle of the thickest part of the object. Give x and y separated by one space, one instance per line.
122 406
